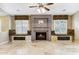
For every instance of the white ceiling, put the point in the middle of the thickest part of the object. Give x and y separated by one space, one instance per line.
23 9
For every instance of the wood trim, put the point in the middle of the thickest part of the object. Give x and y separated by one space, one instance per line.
22 17
70 32
60 17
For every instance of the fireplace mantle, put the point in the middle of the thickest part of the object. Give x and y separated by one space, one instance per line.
41 23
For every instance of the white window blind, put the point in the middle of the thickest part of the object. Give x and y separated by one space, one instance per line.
22 26
60 26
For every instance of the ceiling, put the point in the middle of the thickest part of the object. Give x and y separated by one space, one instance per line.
55 9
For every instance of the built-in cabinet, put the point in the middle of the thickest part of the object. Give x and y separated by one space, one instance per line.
27 38
55 38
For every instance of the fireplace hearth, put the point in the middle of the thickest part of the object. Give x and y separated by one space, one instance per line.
40 35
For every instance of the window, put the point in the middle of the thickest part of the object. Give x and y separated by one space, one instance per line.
22 26
60 26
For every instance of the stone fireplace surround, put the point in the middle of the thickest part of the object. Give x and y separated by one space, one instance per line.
45 27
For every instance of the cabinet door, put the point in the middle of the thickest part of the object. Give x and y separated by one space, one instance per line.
53 38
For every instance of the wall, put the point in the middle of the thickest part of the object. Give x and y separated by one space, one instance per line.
69 22
4 37
75 25
12 22
5 23
52 25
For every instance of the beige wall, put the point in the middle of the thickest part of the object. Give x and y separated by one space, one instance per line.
69 22
75 25
12 22
7 22
4 23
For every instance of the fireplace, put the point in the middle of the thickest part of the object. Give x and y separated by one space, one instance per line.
41 27
40 35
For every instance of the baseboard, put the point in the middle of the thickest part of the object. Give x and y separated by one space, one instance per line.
4 42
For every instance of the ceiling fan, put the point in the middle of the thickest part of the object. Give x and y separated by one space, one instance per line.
42 5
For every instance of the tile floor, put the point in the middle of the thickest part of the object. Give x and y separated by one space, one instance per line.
20 47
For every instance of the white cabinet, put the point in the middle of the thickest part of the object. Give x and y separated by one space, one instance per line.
27 38
54 38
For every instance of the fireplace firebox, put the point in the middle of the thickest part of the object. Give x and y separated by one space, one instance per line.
40 35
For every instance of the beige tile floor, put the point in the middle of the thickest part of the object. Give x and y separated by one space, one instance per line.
39 48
